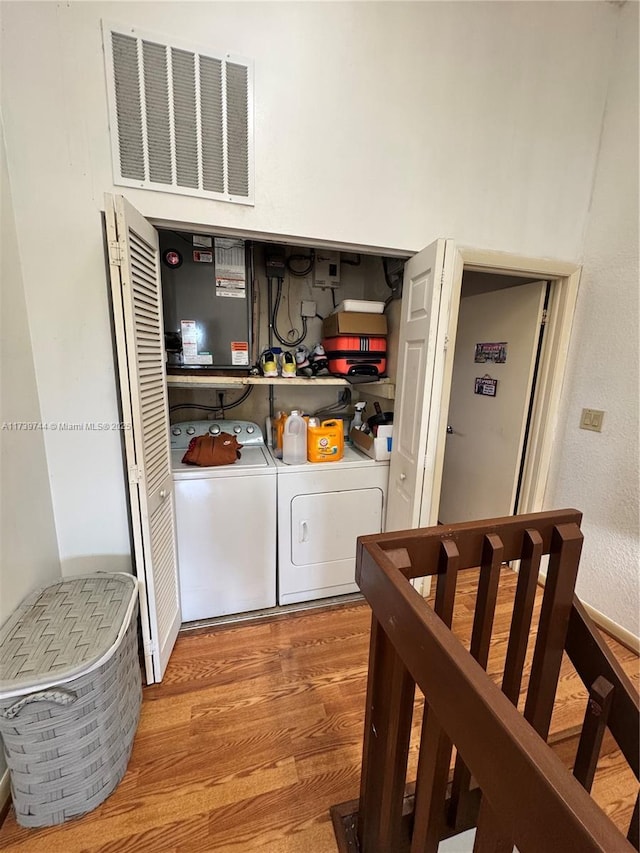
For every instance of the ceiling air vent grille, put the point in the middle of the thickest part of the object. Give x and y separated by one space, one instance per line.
181 120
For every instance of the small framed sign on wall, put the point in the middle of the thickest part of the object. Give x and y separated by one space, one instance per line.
493 352
486 386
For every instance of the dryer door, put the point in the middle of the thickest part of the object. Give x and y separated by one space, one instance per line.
324 529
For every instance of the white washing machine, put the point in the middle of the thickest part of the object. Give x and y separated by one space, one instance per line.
226 524
322 509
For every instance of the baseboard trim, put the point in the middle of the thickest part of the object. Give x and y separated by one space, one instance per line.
5 795
622 635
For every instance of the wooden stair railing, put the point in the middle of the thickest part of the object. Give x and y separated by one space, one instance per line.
506 780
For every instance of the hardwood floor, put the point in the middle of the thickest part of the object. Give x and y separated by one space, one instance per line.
257 730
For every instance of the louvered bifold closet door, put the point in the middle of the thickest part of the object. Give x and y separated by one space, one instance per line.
137 298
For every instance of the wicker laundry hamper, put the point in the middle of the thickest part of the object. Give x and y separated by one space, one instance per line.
70 695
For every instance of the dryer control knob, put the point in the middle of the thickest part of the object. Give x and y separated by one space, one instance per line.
237 430
214 430
176 431
251 429
191 430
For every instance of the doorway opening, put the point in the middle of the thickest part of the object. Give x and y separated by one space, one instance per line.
499 339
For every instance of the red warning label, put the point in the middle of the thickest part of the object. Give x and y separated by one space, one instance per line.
240 352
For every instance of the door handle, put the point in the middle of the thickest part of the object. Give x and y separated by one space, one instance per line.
450 429
164 494
403 476
303 534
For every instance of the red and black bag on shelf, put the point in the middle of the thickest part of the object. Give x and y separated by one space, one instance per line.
356 355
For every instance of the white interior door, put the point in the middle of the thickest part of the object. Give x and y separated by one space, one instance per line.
484 446
134 264
426 303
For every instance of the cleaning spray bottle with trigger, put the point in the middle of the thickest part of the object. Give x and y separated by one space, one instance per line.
356 423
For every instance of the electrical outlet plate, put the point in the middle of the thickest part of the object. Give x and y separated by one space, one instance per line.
592 419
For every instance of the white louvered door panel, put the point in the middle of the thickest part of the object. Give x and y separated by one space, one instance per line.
137 304
181 117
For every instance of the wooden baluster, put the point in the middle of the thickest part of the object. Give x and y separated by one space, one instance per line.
389 710
447 581
489 837
565 554
521 618
435 747
591 656
566 545
595 722
461 804
633 836
492 554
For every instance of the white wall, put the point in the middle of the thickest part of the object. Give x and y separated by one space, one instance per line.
386 124
28 546
598 472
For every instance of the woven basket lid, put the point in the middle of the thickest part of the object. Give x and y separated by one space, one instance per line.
61 631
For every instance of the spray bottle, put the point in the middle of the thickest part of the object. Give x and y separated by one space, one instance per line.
356 423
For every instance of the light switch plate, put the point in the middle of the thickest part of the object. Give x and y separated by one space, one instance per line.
592 419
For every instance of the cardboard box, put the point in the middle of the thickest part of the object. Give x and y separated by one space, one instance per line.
378 448
354 323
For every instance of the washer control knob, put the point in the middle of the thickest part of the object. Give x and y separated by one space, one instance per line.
214 430
237 429
191 430
176 431
251 429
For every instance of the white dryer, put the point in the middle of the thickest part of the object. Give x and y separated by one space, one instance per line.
322 509
226 524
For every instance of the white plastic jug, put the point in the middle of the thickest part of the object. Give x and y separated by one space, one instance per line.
294 439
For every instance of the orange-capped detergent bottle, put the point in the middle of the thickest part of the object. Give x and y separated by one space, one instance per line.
278 431
325 441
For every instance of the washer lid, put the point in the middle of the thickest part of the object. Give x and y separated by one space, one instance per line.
253 461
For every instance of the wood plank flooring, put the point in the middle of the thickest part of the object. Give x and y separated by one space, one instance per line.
257 730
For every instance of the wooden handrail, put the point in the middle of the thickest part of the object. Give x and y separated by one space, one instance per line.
418 550
528 797
592 658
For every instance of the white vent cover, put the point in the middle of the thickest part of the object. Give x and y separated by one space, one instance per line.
181 120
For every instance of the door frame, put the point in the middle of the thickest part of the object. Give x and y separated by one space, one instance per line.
564 279
512 413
